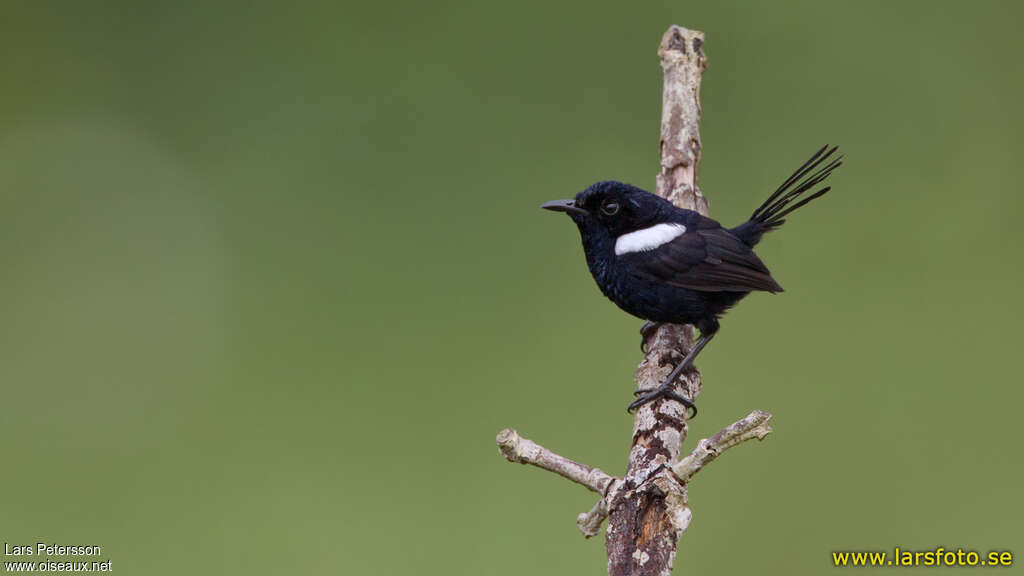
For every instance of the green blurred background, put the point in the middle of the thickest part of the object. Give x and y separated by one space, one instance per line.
274 277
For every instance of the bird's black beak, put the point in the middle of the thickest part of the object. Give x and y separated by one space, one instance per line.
563 206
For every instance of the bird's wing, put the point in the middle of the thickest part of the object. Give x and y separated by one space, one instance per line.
707 258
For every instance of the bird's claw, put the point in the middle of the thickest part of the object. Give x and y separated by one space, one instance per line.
646 331
646 395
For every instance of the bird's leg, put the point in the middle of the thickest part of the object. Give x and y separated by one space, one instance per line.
648 329
667 390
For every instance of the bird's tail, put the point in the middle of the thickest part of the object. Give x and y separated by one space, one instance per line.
789 196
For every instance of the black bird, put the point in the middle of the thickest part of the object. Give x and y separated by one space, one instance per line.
669 265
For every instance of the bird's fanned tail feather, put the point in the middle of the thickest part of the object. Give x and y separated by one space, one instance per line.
771 214
790 195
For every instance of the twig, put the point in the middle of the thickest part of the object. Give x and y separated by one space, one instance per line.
524 451
755 425
590 522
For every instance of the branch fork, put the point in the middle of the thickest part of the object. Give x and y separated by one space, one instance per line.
521 450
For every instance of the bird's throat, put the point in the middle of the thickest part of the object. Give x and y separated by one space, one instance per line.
599 248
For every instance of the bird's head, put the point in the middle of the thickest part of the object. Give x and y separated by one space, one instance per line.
613 208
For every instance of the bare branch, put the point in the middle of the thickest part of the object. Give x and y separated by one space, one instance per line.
647 509
518 449
755 425
649 514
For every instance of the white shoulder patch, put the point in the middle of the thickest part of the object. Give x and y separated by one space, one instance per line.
648 238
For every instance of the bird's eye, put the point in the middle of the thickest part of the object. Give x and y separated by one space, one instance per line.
610 208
